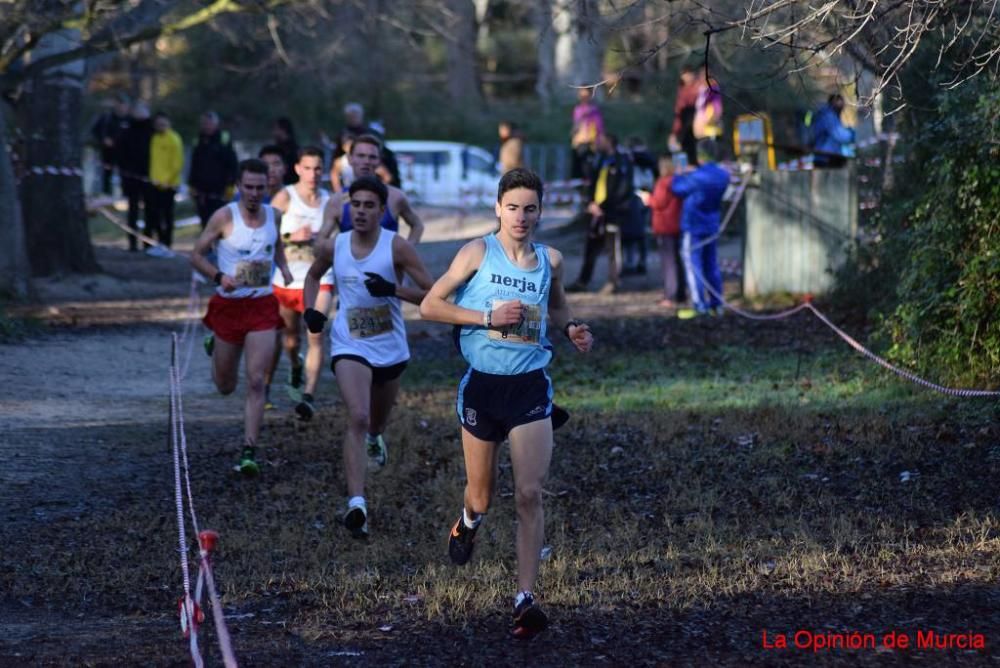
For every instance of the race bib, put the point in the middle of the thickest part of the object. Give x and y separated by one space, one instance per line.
364 323
253 274
302 233
527 331
300 253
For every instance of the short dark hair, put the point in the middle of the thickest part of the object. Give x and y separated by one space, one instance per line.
161 114
285 124
271 149
367 139
709 148
372 185
519 177
253 166
309 151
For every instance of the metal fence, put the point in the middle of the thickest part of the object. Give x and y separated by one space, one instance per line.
798 228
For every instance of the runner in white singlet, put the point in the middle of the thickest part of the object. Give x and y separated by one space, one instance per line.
302 206
243 314
368 337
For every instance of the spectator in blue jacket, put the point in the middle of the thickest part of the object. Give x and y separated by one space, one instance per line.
832 142
701 213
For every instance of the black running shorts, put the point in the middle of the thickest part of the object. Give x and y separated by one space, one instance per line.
380 374
489 406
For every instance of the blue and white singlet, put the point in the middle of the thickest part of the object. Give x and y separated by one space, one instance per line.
514 349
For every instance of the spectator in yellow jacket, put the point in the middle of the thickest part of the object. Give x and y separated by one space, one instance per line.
166 160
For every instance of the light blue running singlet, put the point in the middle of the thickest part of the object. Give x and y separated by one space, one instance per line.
514 349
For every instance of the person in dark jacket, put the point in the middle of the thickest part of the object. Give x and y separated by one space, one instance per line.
701 215
634 232
283 136
133 160
611 195
212 176
107 132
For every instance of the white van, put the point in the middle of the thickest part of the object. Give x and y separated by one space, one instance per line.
444 173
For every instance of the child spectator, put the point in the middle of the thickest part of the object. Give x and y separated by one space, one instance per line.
666 208
701 214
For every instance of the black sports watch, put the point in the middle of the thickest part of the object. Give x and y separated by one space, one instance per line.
218 277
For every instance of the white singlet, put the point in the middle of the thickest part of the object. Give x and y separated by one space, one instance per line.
247 254
299 226
370 327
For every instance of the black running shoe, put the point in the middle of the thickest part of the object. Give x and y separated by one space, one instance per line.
356 521
529 620
460 543
305 410
295 375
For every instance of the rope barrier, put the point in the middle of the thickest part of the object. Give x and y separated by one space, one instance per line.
190 612
188 609
740 189
808 305
190 324
903 373
114 220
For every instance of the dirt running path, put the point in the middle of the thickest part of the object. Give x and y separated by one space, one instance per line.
97 377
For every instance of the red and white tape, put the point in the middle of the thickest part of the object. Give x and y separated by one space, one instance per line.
189 607
53 170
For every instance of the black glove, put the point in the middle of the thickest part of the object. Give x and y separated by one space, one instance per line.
315 321
378 286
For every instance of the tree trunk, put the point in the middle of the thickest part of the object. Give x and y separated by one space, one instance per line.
464 85
570 48
14 266
545 83
56 232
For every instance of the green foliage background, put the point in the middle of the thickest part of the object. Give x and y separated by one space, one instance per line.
932 281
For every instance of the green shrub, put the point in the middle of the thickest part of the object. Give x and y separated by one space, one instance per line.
933 280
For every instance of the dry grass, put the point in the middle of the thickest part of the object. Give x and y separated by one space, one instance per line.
715 480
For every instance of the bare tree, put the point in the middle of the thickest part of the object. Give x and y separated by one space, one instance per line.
43 45
52 192
463 70
571 45
880 36
14 266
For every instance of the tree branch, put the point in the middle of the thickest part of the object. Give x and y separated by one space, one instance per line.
109 40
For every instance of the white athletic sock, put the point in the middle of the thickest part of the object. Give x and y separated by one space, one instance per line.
356 501
371 437
468 521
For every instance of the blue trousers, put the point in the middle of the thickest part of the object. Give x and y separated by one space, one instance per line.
701 266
